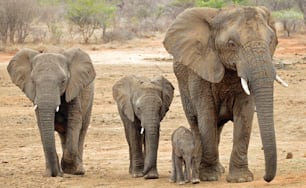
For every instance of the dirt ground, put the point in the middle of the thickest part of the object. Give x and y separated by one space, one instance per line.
106 152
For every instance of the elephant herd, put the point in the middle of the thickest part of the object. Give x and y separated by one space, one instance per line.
222 59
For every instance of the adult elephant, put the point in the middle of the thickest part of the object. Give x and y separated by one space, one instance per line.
142 103
215 50
61 86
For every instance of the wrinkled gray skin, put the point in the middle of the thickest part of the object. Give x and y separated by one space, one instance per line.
184 154
142 103
213 49
58 81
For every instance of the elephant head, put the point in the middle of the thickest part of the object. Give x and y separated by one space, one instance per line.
46 78
208 41
146 101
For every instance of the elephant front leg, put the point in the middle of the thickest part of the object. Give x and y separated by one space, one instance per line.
178 162
210 167
195 170
238 167
72 161
135 141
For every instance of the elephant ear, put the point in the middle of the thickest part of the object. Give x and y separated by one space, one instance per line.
20 68
189 41
271 24
122 93
167 93
82 72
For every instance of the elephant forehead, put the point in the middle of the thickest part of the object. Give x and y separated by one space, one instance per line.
50 58
50 61
242 14
149 85
47 68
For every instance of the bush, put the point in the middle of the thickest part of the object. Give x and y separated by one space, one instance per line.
90 15
288 15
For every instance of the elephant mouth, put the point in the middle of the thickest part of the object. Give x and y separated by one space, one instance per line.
61 117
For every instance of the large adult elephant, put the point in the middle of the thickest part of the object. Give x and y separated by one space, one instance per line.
142 103
61 86
215 50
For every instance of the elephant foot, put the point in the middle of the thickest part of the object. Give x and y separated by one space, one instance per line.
137 173
239 175
48 173
195 180
152 174
172 179
181 182
71 168
210 173
221 169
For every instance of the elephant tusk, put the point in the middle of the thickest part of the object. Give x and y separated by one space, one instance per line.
280 81
35 107
142 130
245 86
57 108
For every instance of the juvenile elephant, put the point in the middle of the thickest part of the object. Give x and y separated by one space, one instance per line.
142 104
61 86
214 51
184 154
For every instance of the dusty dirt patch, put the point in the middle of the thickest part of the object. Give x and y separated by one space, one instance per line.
106 152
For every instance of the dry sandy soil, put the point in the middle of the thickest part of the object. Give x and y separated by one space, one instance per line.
106 151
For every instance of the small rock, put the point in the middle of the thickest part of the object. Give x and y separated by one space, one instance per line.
289 155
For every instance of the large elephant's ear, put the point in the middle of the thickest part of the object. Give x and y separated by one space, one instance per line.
122 93
167 93
188 40
20 68
82 72
271 23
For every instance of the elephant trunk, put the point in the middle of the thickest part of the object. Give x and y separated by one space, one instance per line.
263 94
259 72
151 146
45 114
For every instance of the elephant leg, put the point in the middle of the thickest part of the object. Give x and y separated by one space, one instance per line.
219 129
129 144
209 167
179 170
193 121
70 162
83 132
195 171
137 152
186 170
243 116
134 139
173 172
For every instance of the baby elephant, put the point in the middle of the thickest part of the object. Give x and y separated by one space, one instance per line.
184 152
142 103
